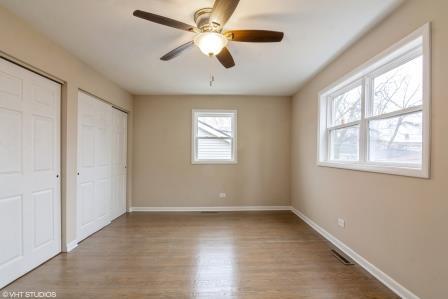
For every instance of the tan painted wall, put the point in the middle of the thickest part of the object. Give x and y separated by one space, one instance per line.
164 175
21 42
397 223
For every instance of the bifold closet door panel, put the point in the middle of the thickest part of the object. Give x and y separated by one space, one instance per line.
30 219
94 164
119 162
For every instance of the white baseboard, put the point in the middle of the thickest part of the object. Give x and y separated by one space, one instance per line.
380 275
70 246
209 209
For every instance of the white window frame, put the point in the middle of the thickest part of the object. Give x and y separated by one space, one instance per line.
416 44
194 144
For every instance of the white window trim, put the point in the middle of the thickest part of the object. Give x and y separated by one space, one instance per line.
379 64
194 136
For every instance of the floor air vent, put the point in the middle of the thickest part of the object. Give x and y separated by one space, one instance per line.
342 257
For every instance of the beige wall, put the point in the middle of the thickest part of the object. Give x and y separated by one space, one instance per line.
165 177
399 224
22 43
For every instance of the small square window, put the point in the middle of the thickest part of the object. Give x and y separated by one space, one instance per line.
214 137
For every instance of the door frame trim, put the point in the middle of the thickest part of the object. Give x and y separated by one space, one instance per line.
31 68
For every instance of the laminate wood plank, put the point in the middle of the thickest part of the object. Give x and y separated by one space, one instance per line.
203 255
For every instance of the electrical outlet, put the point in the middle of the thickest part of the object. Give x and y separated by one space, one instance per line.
222 195
341 222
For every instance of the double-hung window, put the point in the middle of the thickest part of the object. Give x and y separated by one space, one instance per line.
377 118
214 137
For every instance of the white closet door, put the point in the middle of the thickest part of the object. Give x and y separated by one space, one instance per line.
30 224
119 158
94 164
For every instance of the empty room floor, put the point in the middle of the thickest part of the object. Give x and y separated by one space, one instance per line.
203 255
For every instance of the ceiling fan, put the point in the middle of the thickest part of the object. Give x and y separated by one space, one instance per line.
210 37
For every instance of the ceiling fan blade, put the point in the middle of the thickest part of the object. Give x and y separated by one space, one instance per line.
176 51
255 36
226 58
163 20
222 11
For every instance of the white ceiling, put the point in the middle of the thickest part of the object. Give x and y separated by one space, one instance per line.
105 35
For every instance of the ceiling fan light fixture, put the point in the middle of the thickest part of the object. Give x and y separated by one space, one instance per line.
210 43
210 37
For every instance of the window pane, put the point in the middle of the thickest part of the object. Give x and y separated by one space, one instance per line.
396 139
214 136
346 107
344 144
214 149
220 126
399 88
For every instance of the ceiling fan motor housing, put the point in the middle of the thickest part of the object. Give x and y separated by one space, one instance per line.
202 17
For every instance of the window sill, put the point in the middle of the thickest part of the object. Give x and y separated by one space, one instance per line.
214 162
394 170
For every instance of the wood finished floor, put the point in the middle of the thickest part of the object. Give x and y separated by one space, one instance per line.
202 255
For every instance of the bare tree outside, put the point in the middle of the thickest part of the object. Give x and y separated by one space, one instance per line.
346 108
400 138
395 139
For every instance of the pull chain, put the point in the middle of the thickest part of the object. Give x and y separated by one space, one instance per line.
212 77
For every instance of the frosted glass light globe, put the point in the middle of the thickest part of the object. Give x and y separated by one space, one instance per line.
210 43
